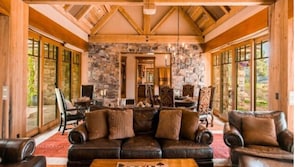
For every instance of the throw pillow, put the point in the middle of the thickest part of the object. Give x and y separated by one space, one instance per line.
189 124
120 124
169 124
96 124
259 131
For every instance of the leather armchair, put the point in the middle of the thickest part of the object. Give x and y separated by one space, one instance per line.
19 152
245 154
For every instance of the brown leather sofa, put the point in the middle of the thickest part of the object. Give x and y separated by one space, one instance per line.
19 153
259 138
144 145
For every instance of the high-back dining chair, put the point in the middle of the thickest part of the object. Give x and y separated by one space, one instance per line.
188 90
166 96
68 114
203 104
213 88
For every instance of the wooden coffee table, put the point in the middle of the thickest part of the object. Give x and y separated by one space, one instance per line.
171 162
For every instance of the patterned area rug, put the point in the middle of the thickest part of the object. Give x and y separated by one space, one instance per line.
57 146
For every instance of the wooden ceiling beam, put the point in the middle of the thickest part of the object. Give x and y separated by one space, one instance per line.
61 10
144 39
104 20
208 14
146 24
194 26
130 20
163 19
233 11
83 12
158 2
67 7
224 9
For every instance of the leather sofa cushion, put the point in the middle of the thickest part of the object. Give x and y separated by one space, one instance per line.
141 146
120 124
189 124
169 124
144 120
96 124
185 149
252 161
98 148
259 131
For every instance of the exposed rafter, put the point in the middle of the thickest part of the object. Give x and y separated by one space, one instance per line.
163 19
104 20
83 12
130 20
190 22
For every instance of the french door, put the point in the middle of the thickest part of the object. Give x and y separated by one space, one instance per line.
50 65
240 75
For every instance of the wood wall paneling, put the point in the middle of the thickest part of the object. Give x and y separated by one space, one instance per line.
17 66
46 25
281 67
4 53
253 24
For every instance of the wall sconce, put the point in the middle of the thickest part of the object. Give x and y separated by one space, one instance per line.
103 93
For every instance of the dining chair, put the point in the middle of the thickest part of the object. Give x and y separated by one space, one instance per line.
213 88
69 115
166 96
188 90
203 104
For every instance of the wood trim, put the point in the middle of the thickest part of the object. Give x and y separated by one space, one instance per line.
144 39
4 56
157 2
253 24
48 26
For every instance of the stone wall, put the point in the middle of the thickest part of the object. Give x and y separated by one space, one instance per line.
104 69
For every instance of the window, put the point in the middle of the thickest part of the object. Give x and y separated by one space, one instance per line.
242 71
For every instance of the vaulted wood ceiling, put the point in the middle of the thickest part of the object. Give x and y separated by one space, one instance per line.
125 21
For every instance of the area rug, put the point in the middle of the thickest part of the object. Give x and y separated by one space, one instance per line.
57 146
220 150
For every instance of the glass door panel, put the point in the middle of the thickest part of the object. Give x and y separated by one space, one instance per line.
227 82
32 86
217 82
75 76
66 71
262 75
49 82
243 98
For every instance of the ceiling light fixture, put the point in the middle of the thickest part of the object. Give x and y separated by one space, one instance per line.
149 7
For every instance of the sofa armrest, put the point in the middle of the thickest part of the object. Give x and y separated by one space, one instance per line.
16 150
78 134
232 136
286 140
203 135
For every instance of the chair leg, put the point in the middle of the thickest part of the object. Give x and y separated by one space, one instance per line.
61 122
64 126
211 123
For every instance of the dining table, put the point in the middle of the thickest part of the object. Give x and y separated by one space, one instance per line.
184 101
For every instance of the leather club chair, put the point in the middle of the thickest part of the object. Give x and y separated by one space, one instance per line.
19 153
259 138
